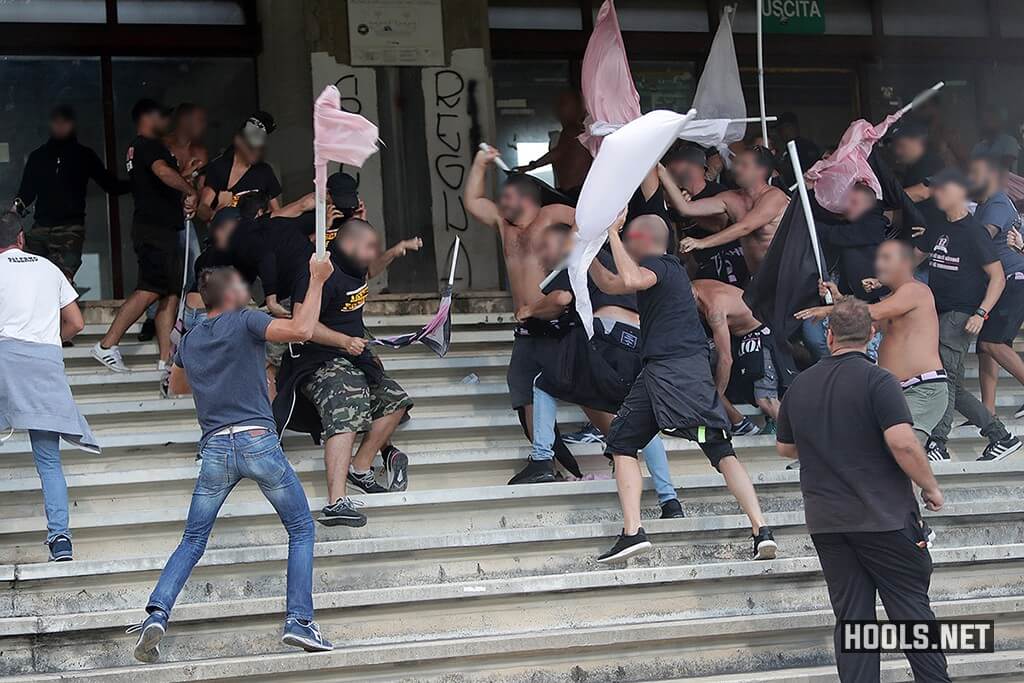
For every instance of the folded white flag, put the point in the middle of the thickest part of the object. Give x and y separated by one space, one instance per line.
719 93
625 158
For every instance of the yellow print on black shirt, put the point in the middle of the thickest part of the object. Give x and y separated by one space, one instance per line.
356 299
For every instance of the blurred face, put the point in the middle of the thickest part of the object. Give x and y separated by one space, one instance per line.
555 248
892 266
982 177
644 239
61 128
908 150
515 207
249 154
747 171
237 294
950 197
362 248
570 108
222 234
858 203
685 173
193 124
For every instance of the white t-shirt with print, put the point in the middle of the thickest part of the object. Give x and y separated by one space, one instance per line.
32 292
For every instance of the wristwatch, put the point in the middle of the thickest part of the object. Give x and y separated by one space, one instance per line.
981 313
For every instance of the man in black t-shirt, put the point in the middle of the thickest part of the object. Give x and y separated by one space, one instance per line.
675 392
333 386
853 243
848 423
686 168
162 198
241 168
966 278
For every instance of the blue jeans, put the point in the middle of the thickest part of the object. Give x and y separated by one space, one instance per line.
193 316
46 452
225 461
544 412
815 338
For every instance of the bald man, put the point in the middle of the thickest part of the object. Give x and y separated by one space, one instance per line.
910 333
675 392
754 210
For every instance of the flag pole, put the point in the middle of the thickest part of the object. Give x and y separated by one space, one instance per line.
320 193
808 214
921 97
455 259
760 73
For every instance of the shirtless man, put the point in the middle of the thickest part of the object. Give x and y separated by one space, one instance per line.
722 307
569 159
754 210
522 223
188 125
910 334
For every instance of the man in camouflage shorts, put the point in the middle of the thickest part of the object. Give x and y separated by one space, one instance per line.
346 401
61 244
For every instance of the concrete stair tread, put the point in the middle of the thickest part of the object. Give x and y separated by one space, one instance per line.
514 645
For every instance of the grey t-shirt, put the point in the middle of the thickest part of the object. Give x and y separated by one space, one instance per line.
224 359
1000 212
836 412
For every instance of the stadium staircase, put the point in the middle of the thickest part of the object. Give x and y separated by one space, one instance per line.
461 578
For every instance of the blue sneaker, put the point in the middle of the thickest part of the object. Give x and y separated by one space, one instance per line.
147 649
60 549
305 634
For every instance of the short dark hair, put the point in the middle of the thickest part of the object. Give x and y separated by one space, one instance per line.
995 163
524 185
352 227
62 112
10 228
763 157
213 283
251 203
850 321
146 106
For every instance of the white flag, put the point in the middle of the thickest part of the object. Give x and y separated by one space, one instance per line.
719 92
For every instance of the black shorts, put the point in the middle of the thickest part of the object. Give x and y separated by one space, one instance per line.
159 251
603 369
678 397
1006 318
531 355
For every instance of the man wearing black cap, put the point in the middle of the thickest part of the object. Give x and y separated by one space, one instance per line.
241 168
162 197
966 277
56 176
685 170
788 127
908 142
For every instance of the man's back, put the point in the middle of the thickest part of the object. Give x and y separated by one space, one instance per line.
223 358
836 412
32 292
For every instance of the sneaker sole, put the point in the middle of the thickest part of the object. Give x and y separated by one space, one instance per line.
627 553
1007 453
399 468
148 648
341 521
305 644
767 550
62 558
1019 414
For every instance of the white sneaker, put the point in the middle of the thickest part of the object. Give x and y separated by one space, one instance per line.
111 358
163 366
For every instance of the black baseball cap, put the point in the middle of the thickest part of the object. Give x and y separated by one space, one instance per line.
257 127
148 106
908 128
344 190
946 176
690 153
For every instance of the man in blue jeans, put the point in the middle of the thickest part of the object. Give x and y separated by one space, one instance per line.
221 361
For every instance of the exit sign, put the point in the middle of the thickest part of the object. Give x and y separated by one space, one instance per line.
793 16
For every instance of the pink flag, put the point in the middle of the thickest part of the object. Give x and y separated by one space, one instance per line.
608 89
848 165
340 135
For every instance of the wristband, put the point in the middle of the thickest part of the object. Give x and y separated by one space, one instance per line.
981 312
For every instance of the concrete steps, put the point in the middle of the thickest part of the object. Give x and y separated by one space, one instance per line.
461 578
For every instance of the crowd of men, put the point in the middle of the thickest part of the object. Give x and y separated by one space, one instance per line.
675 349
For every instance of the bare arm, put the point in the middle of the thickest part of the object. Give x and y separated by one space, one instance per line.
400 249
205 207
787 450
607 281
763 213
900 302
474 198
709 206
71 321
548 307
909 455
171 178
178 381
719 324
292 209
650 183
300 327
633 277
996 285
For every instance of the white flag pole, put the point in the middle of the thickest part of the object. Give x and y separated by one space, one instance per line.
760 72
455 259
320 193
498 161
921 97
808 214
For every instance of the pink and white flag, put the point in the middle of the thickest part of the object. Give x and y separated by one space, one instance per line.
834 176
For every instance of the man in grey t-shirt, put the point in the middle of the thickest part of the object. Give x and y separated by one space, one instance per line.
221 360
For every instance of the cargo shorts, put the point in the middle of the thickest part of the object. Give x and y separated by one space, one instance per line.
345 400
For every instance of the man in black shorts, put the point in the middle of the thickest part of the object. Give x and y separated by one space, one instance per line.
675 392
162 197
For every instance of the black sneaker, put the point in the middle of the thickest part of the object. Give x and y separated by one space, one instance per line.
745 428
765 547
671 509
396 467
997 450
342 513
937 451
588 434
1020 411
148 330
365 482
60 549
535 472
626 547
